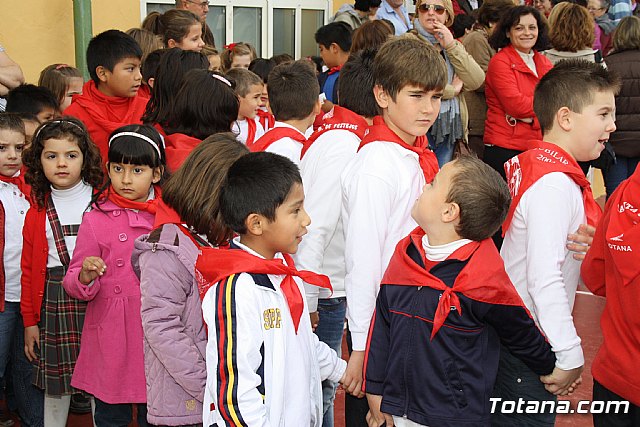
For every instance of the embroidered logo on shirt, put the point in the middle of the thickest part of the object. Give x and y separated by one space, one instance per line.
272 318
190 405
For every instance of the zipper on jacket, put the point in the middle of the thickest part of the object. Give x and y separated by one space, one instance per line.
409 352
154 247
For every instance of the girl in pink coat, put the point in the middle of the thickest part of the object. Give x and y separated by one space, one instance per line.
111 361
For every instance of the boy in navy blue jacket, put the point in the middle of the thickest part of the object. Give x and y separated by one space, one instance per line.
445 305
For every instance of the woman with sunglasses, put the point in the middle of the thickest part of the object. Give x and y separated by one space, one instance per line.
512 76
431 22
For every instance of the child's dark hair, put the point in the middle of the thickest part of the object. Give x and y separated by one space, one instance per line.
366 5
510 18
56 78
28 98
193 191
282 58
151 64
135 145
481 194
355 86
174 63
293 90
335 32
402 61
256 183
461 23
174 24
571 83
262 67
68 128
12 122
205 104
108 48
371 34
244 79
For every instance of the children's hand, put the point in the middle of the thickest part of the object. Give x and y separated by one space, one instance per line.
443 35
561 382
375 418
352 379
580 241
92 268
31 339
315 320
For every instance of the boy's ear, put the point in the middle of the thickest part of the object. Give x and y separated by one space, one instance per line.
564 119
253 224
382 97
451 213
334 48
171 43
101 72
317 108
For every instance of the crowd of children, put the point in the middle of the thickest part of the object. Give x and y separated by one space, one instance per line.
184 235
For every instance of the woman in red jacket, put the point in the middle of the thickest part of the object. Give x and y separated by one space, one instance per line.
511 78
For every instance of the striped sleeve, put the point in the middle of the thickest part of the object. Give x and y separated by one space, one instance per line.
239 344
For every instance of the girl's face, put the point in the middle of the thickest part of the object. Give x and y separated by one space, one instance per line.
133 181
74 87
524 34
192 41
241 61
214 62
62 163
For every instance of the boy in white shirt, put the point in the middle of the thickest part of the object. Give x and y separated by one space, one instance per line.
264 364
382 182
293 99
248 87
575 105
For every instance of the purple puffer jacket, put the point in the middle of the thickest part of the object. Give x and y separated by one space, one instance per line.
175 338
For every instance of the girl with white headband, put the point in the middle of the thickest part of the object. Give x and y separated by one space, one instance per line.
111 361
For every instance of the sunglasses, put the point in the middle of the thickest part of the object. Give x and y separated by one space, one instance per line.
437 9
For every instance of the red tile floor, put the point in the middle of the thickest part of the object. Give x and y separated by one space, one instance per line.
587 318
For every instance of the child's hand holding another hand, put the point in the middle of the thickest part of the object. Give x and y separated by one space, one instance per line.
92 268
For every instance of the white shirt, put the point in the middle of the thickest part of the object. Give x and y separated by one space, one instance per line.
538 263
241 129
290 148
379 188
322 249
71 204
438 253
15 208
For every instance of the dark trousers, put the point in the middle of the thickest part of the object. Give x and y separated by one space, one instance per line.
630 419
355 410
119 414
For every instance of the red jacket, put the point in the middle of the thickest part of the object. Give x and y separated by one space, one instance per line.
509 87
616 363
35 251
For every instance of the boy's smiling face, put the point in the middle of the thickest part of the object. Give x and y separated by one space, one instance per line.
412 113
124 81
592 127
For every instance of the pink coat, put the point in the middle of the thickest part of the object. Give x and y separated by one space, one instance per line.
111 361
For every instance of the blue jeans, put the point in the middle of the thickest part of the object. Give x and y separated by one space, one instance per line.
119 414
622 169
515 380
332 312
443 152
29 399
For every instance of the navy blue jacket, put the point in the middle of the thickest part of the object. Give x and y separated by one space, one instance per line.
446 381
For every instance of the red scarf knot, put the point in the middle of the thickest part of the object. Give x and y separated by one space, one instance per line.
150 206
448 300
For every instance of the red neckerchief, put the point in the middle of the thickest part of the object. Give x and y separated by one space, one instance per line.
623 231
334 70
150 206
165 214
214 265
379 131
251 131
267 120
274 135
145 91
19 182
482 279
527 168
178 147
339 118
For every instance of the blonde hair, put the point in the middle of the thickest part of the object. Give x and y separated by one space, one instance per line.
236 49
448 6
146 39
56 78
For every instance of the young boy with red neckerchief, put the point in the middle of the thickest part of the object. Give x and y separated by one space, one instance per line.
324 157
110 99
264 364
444 306
552 198
381 183
293 99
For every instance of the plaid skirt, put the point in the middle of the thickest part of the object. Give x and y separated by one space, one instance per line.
60 326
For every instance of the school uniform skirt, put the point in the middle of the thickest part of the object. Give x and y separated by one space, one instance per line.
60 326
